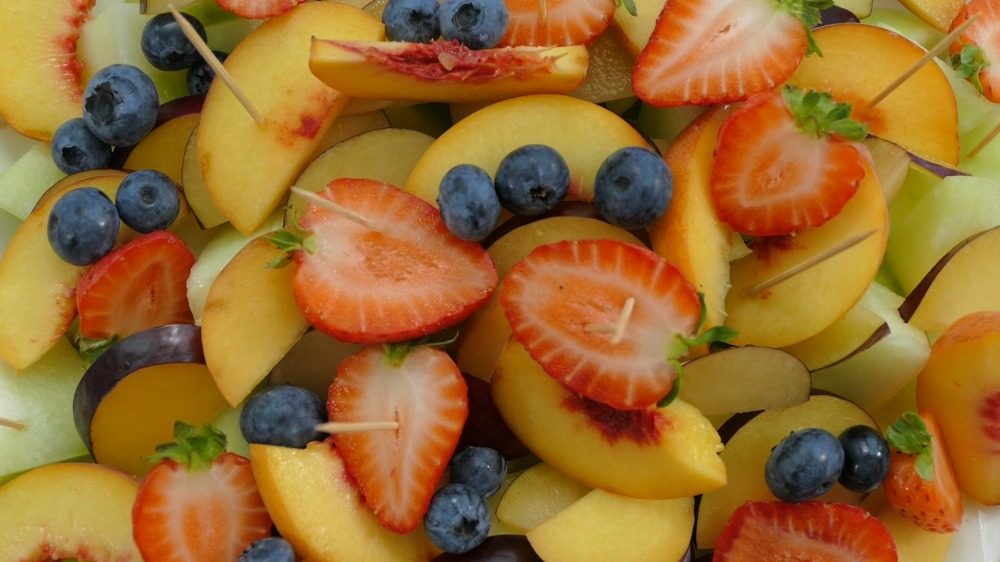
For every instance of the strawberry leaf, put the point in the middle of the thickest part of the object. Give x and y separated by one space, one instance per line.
288 241
968 63
807 11
909 435
92 348
629 6
816 114
196 449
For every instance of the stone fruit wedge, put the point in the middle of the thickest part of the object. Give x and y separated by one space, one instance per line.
40 62
36 286
663 453
64 511
247 168
445 71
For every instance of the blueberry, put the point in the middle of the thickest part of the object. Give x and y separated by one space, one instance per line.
165 45
477 24
532 180
148 200
83 226
200 75
282 415
270 549
468 202
457 520
866 459
76 149
480 468
411 20
633 188
805 465
120 105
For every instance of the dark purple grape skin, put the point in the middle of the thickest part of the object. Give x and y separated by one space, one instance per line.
836 14
498 548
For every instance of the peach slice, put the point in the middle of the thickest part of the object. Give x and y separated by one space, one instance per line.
960 386
747 451
664 453
609 72
64 511
808 303
36 285
488 135
603 526
163 148
484 334
193 185
445 71
957 285
144 383
937 13
854 332
537 495
247 168
690 235
40 63
635 31
250 320
914 544
742 379
317 508
858 61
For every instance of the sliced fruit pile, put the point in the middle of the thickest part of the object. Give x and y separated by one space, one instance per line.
559 280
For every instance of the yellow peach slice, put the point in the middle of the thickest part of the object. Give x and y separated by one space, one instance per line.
40 62
317 508
445 71
37 287
250 321
64 511
859 61
937 13
670 452
536 495
806 304
247 168
163 148
488 135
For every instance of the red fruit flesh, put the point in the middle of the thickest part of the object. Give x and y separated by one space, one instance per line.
813 531
985 34
140 285
408 280
718 52
554 295
199 516
258 9
769 178
563 22
397 471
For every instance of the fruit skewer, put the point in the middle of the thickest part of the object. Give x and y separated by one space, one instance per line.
617 328
5 422
810 263
340 210
334 428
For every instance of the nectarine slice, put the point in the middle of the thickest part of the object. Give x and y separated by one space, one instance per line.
37 286
488 135
742 379
445 71
536 495
64 511
858 61
806 304
163 148
250 321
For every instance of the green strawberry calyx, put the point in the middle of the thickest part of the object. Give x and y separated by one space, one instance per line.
194 448
680 344
909 435
807 11
817 115
968 63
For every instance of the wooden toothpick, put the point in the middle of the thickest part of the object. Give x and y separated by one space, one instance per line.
333 207
543 10
810 263
985 142
356 427
5 422
933 52
616 329
213 61
143 7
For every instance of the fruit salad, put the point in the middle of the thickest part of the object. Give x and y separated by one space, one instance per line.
560 280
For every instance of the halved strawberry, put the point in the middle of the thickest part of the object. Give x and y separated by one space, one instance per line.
559 292
783 162
975 54
921 484
140 285
408 279
556 22
724 50
814 531
258 9
421 389
199 503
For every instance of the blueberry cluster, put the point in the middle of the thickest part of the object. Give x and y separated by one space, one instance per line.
632 189
83 224
458 520
477 24
167 48
807 463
